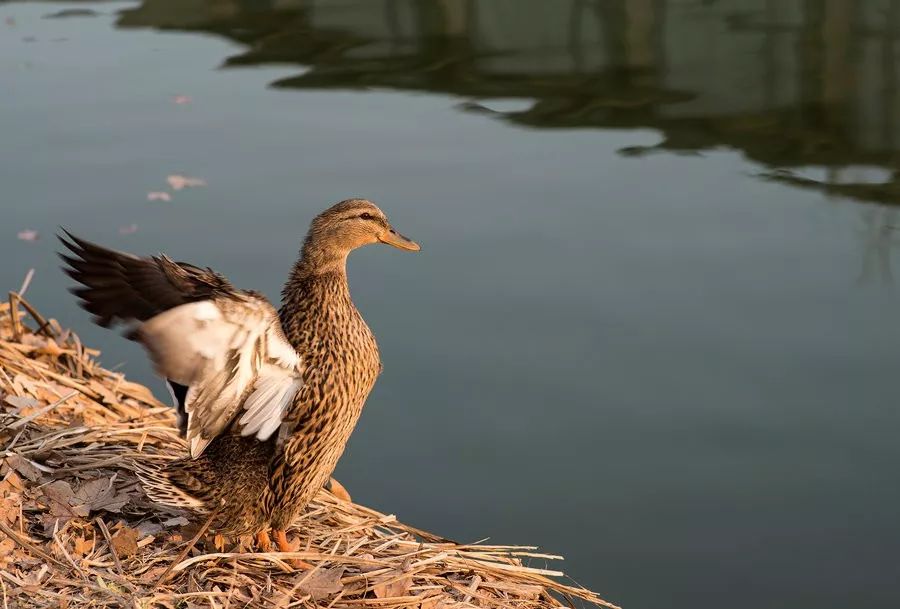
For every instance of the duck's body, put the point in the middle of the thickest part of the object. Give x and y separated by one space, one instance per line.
342 370
268 399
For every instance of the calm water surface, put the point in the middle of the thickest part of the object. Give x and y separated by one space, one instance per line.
654 325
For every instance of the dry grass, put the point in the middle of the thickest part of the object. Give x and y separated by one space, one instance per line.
76 530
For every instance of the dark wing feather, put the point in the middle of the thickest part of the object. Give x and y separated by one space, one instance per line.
117 286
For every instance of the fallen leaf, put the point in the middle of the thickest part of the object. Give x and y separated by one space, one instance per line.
100 494
9 510
83 547
154 573
24 467
60 498
159 196
177 182
132 228
28 235
393 589
11 22
12 481
7 546
50 348
21 401
182 99
108 396
33 580
365 568
178 521
432 602
322 582
124 542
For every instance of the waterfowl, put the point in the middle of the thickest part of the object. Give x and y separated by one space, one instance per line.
266 398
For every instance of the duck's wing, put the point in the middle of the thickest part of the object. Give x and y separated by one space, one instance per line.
121 287
222 349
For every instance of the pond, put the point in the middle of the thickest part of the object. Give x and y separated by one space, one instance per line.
654 323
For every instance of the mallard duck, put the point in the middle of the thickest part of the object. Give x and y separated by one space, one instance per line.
266 399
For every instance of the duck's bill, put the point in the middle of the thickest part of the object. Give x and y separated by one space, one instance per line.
394 238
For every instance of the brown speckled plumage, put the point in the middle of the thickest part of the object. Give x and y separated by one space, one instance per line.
253 483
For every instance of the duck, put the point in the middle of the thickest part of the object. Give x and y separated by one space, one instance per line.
266 398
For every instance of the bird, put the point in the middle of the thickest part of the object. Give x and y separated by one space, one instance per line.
266 399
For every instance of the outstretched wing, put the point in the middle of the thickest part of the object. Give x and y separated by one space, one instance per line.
223 347
121 287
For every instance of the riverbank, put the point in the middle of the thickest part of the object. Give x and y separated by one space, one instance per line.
77 531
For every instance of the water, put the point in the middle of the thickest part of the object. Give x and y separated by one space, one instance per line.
654 323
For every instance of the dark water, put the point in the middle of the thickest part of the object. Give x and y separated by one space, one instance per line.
654 324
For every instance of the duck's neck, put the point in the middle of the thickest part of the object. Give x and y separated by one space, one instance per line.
318 257
317 287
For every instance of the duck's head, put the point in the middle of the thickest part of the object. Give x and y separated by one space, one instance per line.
354 223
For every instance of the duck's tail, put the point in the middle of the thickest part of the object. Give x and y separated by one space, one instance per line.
171 485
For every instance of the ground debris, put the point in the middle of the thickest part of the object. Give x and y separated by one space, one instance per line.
77 532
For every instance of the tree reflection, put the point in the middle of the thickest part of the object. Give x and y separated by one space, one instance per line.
789 83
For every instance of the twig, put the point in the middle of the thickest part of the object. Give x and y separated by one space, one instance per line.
26 282
14 316
168 572
65 553
30 546
42 322
42 411
112 549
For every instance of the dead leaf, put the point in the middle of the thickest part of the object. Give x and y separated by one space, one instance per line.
33 580
128 230
9 510
178 182
12 482
124 542
60 499
62 506
24 467
100 494
21 401
432 602
50 348
27 235
365 568
178 521
83 547
159 196
322 583
182 99
108 396
154 573
7 551
393 589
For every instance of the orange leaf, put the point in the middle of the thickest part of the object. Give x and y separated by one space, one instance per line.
83 547
393 589
125 542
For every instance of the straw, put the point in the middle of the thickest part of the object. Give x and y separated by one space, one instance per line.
77 531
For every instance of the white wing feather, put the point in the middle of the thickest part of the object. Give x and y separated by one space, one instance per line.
233 357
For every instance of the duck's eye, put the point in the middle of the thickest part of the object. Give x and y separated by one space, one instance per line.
366 216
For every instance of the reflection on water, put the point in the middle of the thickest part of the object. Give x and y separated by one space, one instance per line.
879 235
790 83
672 363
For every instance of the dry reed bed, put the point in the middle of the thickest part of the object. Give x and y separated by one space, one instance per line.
76 530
